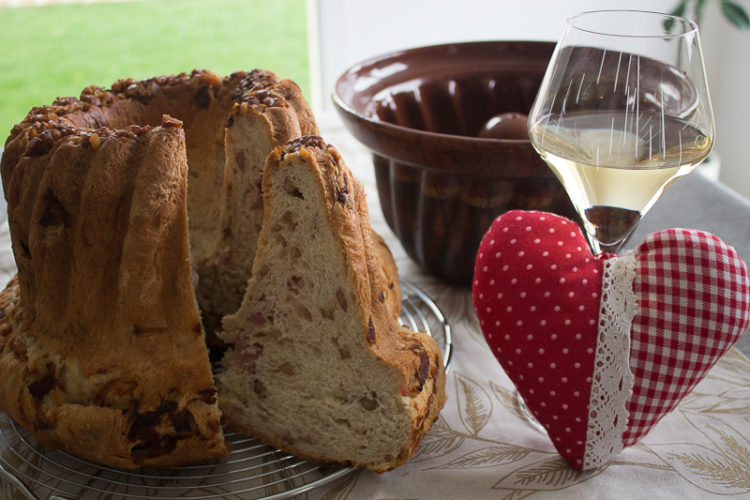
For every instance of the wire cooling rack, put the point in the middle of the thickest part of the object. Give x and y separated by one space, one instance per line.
251 470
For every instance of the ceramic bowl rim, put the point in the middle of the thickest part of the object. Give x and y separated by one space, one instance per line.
345 106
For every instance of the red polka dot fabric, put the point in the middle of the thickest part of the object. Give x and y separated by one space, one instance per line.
537 290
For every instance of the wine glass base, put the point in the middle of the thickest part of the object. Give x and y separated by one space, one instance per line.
526 413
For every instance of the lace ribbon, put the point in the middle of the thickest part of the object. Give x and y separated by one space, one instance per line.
612 381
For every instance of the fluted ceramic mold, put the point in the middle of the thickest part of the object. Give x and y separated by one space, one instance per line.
441 186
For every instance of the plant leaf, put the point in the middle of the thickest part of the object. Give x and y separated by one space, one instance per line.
700 6
668 25
679 10
735 14
487 457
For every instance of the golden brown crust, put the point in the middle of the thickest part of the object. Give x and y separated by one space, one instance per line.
203 101
208 106
102 350
392 293
269 112
103 258
350 217
413 357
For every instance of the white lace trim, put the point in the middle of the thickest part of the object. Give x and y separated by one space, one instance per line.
612 381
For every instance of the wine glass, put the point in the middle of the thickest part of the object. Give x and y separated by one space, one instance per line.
623 111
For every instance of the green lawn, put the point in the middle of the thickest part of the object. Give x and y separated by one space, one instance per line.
52 51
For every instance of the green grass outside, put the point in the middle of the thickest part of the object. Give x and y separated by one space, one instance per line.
52 51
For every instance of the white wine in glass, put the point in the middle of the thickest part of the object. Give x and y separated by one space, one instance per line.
623 111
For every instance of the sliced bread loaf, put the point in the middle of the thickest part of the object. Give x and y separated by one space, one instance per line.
318 364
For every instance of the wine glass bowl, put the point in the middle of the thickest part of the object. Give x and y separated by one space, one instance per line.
623 111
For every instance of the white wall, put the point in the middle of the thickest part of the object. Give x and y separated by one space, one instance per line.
350 31
727 56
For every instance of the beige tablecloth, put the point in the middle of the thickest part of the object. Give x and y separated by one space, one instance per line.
482 447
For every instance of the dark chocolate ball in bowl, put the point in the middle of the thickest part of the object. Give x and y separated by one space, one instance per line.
446 125
505 126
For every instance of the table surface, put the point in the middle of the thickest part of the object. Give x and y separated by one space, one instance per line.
482 447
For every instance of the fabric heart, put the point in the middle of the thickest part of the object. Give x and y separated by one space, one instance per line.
602 347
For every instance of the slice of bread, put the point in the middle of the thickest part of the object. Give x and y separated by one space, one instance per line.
266 112
319 366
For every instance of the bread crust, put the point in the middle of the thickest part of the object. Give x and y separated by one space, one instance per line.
411 358
414 355
271 112
223 180
102 352
389 271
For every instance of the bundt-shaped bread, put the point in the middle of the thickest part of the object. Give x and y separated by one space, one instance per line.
117 198
231 124
103 353
319 365
101 348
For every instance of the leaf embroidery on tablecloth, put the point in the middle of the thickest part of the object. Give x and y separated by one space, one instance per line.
474 404
508 398
549 473
723 468
725 471
490 456
440 441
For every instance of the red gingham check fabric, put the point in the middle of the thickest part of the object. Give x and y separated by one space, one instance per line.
693 293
